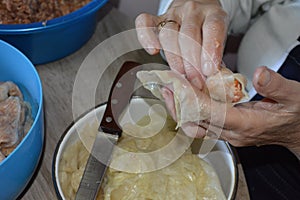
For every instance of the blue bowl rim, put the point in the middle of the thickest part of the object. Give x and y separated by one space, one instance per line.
89 8
40 100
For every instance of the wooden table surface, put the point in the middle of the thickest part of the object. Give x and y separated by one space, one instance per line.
58 79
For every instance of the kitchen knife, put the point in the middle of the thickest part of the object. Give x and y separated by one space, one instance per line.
109 132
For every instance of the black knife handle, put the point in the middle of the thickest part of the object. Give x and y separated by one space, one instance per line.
119 97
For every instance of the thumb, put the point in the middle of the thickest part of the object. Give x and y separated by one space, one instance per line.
274 86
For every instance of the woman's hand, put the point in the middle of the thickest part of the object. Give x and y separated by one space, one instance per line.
193 39
274 120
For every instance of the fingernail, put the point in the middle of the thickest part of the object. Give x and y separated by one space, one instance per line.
264 78
207 68
151 51
165 92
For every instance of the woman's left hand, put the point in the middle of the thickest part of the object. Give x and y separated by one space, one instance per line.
192 35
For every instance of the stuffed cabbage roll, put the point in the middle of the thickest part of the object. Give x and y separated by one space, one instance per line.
227 86
191 104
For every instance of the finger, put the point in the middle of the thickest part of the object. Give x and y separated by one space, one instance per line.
146 27
239 139
193 130
234 117
212 131
221 133
190 47
169 101
168 37
274 86
214 33
232 138
243 118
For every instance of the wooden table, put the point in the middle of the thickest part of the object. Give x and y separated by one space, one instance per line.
58 78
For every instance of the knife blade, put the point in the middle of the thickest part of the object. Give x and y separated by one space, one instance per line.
109 132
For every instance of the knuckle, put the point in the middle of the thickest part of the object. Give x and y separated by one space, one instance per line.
141 17
218 10
173 60
189 69
215 24
165 34
170 13
222 13
188 30
190 5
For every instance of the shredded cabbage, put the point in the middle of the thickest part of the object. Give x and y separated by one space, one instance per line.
189 177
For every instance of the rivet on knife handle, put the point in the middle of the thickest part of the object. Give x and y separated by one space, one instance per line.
109 132
119 96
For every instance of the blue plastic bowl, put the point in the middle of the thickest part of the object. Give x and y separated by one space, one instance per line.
18 168
59 37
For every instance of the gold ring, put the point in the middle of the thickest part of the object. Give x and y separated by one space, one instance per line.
161 24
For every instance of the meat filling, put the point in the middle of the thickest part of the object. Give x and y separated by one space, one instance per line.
14 117
29 11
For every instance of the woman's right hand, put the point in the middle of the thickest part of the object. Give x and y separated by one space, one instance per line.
192 42
273 120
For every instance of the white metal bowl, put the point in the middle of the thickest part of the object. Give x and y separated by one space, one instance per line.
218 153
